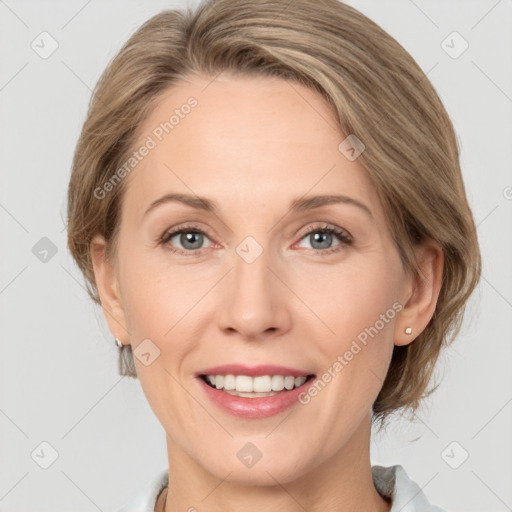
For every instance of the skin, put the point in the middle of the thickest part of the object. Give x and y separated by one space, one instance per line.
253 145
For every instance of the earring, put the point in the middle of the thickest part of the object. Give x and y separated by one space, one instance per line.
408 330
119 343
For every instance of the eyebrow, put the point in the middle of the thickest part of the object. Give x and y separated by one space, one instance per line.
298 205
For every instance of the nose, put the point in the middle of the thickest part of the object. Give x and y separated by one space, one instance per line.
255 301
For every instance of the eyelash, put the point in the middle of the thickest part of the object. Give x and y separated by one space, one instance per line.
345 239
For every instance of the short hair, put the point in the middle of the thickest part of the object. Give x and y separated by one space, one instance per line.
377 92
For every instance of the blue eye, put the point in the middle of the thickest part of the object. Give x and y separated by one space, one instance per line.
192 238
323 236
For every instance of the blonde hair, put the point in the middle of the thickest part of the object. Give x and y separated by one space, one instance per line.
377 92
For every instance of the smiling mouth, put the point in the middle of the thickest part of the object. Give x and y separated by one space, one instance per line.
255 387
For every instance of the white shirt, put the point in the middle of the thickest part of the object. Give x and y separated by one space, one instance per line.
391 482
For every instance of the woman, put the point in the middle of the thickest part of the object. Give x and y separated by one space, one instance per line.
268 205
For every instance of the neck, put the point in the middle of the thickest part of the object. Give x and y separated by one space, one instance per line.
343 482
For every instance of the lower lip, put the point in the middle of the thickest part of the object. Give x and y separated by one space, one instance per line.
254 408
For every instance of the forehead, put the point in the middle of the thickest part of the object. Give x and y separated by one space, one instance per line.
243 139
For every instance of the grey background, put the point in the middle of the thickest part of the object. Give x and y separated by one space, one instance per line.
58 364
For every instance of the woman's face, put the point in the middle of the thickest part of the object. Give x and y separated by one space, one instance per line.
254 281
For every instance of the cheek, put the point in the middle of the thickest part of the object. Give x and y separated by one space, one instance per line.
163 305
350 300
160 308
361 309
153 300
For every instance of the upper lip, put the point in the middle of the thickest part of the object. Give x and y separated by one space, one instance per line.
252 371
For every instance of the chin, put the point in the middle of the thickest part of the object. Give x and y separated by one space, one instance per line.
274 470
269 475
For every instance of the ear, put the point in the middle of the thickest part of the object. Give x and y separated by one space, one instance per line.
107 283
420 293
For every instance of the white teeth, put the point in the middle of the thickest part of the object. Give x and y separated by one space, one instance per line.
277 382
289 382
229 382
243 383
251 395
299 381
255 386
262 384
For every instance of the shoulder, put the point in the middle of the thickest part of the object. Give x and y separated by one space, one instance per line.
406 495
145 499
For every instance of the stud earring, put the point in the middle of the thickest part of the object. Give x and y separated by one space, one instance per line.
119 343
408 330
